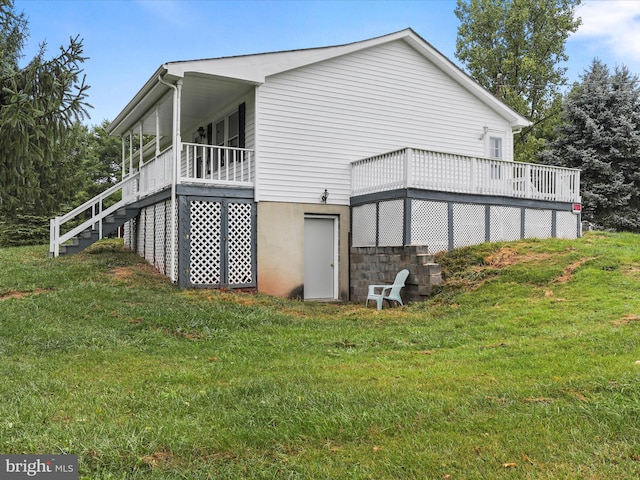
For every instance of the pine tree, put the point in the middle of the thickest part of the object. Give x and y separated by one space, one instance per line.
600 135
39 103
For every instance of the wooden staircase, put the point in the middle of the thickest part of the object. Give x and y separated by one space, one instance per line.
92 234
101 220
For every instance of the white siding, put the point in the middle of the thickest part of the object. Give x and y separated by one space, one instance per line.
313 121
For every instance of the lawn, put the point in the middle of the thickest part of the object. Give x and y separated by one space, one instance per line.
526 364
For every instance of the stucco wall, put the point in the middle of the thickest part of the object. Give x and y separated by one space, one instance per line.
281 247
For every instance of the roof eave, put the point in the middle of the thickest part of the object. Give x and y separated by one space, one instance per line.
121 123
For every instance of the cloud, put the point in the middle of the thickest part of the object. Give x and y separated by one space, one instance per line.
615 23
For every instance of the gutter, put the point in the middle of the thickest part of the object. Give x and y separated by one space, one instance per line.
176 140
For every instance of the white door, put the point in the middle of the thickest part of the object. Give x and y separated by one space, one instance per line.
320 257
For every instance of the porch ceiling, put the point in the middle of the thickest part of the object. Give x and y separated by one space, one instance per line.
204 94
201 96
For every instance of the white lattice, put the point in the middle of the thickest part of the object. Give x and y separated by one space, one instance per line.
172 225
505 223
149 233
140 233
160 237
205 268
391 223
128 233
364 225
468 224
239 234
566 225
537 223
430 225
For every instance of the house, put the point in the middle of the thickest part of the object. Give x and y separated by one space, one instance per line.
309 173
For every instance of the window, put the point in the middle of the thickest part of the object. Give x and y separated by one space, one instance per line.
495 151
495 147
234 130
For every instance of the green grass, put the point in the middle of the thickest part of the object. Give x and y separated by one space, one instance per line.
525 365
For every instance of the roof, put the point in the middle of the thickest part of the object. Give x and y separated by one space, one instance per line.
254 70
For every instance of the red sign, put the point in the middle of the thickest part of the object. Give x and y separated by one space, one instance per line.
577 208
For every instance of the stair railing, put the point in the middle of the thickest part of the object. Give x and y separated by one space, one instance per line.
98 214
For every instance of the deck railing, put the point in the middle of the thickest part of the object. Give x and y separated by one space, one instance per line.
428 170
200 164
210 164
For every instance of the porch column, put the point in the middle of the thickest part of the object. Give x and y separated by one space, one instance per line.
157 132
124 158
176 153
130 151
140 141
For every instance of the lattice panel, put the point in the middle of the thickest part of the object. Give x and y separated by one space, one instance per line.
205 268
239 251
172 223
128 233
430 225
505 224
391 223
364 225
468 224
140 227
160 240
566 225
149 235
537 223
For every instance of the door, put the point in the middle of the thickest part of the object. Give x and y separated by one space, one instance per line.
320 257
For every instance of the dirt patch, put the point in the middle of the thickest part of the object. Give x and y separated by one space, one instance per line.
161 458
567 273
21 294
507 256
126 273
122 272
626 320
631 270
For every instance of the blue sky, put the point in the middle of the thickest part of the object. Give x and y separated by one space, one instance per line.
127 40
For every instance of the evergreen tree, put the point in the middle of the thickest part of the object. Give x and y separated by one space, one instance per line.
39 103
600 135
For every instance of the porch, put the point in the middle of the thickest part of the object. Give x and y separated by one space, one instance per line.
198 164
445 201
447 172
147 176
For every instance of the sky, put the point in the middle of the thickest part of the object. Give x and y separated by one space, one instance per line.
127 40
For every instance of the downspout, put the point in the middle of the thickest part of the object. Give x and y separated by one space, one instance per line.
177 90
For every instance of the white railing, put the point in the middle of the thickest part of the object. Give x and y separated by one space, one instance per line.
210 164
156 174
428 170
94 209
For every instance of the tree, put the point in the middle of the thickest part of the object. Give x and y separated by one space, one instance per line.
39 104
513 48
101 161
600 135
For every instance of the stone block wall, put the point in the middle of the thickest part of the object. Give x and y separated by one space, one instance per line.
379 266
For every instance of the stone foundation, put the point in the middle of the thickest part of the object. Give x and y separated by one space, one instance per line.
379 266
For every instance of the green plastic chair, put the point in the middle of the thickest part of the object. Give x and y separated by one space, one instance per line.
388 292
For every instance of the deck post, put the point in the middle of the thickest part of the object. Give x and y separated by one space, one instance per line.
408 168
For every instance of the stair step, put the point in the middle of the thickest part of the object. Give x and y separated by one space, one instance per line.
89 236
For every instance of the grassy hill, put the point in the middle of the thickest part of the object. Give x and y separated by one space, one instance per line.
525 365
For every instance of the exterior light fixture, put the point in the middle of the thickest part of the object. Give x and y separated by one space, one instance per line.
325 195
201 132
